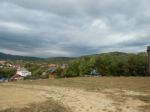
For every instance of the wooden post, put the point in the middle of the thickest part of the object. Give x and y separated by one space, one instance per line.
148 52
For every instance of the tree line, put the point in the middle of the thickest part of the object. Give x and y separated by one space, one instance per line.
110 64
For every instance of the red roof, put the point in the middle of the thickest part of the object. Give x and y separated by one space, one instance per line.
52 65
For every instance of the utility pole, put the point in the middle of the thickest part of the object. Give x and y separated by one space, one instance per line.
148 52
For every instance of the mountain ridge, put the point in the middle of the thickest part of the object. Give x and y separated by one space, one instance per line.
4 56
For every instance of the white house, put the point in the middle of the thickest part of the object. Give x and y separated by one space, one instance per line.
23 72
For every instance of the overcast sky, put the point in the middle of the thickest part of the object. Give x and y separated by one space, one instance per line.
49 28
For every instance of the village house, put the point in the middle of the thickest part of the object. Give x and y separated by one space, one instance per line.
52 65
52 69
2 62
20 74
23 72
17 66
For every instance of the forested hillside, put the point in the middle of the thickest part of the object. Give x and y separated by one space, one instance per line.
16 57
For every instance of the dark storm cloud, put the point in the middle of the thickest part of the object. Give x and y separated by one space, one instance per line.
19 42
73 27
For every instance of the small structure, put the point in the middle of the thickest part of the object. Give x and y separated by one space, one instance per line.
23 72
94 72
148 52
17 66
52 65
16 77
20 74
2 62
51 72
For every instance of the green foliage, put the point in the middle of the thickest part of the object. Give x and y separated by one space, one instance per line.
84 66
110 64
58 72
137 65
35 69
73 70
59 60
7 72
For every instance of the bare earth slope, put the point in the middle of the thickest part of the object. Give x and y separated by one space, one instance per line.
78 100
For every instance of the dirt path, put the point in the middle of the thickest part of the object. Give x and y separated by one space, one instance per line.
83 101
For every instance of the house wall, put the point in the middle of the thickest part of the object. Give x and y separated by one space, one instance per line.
50 76
23 73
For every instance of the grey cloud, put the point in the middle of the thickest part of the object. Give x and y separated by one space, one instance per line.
73 27
137 42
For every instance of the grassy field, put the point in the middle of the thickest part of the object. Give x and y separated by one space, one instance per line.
120 94
139 84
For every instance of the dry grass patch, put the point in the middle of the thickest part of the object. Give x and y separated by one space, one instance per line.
145 108
143 98
48 106
139 84
120 94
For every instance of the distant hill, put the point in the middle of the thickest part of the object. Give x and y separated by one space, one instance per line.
4 56
108 54
60 59
114 55
65 59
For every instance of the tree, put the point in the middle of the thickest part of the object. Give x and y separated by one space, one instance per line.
141 64
7 72
84 67
58 72
72 70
